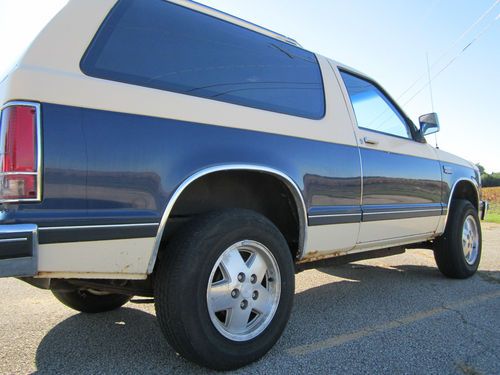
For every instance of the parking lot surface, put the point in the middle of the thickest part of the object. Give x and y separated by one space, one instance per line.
392 315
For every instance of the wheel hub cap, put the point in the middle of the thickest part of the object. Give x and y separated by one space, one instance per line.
470 240
243 290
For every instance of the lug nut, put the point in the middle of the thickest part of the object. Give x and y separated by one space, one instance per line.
253 279
244 304
241 277
235 293
255 295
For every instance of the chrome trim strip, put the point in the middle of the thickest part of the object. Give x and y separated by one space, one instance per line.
452 191
294 189
38 172
18 173
401 212
20 266
333 215
98 226
363 216
17 228
8 240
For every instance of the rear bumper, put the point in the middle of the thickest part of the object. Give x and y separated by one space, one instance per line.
483 209
18 250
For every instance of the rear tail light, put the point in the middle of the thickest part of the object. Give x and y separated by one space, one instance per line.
20 152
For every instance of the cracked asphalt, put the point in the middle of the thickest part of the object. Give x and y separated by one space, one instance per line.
394 315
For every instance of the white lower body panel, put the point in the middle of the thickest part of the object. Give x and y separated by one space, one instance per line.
113 259
323 240
390 229
334 240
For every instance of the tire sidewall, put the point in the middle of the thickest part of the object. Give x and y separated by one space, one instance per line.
211 343
465 210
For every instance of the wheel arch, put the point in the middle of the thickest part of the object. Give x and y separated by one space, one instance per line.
290 184
464 188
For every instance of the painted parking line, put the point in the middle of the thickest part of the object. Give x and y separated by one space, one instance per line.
409 319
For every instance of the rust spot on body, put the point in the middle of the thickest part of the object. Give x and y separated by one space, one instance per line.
313 256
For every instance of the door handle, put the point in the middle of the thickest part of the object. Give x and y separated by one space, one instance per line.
370 141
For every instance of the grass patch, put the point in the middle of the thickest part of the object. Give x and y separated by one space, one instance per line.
493 215
492 195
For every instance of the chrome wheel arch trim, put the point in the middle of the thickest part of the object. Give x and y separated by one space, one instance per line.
452 191
287 180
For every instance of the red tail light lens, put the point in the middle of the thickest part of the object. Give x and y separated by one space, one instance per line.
20 139
19 153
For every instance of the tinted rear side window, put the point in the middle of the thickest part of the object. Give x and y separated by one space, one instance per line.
162 45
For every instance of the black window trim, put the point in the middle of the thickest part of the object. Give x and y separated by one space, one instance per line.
409 124
321 73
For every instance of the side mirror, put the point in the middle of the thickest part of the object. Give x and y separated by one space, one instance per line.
429 124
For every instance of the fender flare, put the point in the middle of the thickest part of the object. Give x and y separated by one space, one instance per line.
452 191
288 181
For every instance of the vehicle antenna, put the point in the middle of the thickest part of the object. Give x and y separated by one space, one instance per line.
430 91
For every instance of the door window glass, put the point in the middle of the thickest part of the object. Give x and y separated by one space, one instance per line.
373 110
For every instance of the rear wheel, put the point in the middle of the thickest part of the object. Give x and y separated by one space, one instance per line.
458 250
224 289
91 302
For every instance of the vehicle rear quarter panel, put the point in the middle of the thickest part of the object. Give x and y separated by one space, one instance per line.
104 167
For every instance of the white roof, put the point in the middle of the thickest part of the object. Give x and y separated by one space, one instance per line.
233 19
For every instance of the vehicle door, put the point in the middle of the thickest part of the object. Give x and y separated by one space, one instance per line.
401 175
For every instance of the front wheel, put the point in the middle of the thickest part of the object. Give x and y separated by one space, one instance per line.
458 250
224 289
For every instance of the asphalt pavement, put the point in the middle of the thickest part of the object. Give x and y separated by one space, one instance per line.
395 315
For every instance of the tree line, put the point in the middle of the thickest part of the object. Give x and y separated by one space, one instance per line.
488 179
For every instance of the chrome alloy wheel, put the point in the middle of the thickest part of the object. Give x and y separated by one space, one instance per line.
470 240
243 290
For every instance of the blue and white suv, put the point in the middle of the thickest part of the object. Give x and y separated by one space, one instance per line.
163 148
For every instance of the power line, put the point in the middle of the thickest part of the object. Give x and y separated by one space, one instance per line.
447 50
454 58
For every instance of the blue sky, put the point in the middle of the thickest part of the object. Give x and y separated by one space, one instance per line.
386 39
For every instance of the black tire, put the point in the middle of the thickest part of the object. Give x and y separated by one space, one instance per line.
87 302
449 251
181 287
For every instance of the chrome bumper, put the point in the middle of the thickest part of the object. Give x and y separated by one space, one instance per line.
18 250
483 209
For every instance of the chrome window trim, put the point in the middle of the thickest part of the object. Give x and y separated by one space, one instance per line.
289 182
38 172
408 123
387 98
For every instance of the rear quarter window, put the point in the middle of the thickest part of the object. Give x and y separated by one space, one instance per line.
165 46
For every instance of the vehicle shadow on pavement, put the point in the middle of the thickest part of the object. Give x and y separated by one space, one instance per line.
122 341
129 340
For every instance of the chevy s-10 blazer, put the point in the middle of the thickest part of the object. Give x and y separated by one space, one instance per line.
165 149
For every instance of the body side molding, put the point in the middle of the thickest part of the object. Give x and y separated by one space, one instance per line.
292 186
